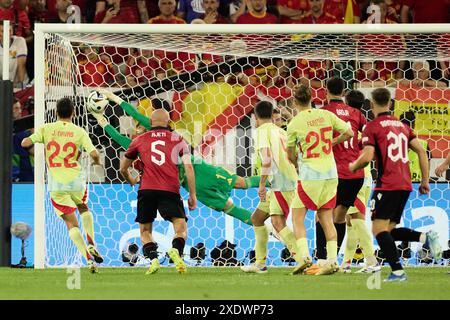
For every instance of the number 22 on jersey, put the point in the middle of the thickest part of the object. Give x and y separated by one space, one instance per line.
70 149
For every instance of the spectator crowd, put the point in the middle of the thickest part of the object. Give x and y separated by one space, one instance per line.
120 67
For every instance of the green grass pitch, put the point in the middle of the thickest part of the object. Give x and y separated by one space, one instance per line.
218 283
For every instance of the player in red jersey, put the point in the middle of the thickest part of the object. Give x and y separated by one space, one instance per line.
348 151
257 14
317 15
167 13
159 150
387 139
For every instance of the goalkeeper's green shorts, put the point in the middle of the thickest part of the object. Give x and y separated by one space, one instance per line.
215 191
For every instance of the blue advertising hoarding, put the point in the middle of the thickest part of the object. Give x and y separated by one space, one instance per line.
114 207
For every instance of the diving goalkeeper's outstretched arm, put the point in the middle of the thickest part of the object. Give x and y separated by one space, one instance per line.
128 108
112 132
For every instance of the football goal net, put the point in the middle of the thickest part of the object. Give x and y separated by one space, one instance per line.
210 77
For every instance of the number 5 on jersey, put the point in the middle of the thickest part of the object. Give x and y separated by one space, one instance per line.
158 157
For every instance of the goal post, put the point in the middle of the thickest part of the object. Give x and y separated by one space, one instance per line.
235 51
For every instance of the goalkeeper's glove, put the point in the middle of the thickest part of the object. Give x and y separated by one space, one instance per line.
100 119
110 96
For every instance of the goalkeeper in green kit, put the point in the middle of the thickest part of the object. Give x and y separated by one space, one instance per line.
213 183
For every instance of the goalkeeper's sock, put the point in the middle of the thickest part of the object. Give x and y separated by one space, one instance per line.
240 214
252 182
178 243
288 238
405 234
365 241
262 238
88 225
77 238
302 247
331 251
321 241
340 229
350 245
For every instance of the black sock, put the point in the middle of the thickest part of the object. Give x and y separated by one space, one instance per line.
321 242
178 243
387 245
405 234
340 229
150 250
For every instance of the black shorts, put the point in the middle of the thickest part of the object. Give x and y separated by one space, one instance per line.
347 191
169 205
389 205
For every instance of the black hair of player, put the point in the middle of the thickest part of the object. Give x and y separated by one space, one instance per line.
381 97
355 99
336 86
64 108
264 110
160 104
408 118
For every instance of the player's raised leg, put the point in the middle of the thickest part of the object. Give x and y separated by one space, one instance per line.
430 238
237 212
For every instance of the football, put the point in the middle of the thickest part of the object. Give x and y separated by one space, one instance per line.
96 102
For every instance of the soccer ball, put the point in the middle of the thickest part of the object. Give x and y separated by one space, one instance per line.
96 102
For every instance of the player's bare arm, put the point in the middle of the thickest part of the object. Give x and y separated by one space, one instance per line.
95 155
343 137
125 164
363 160
190 176
443 166
26 143
417 147
266 159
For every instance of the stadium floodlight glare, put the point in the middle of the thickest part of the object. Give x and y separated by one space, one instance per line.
231 49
